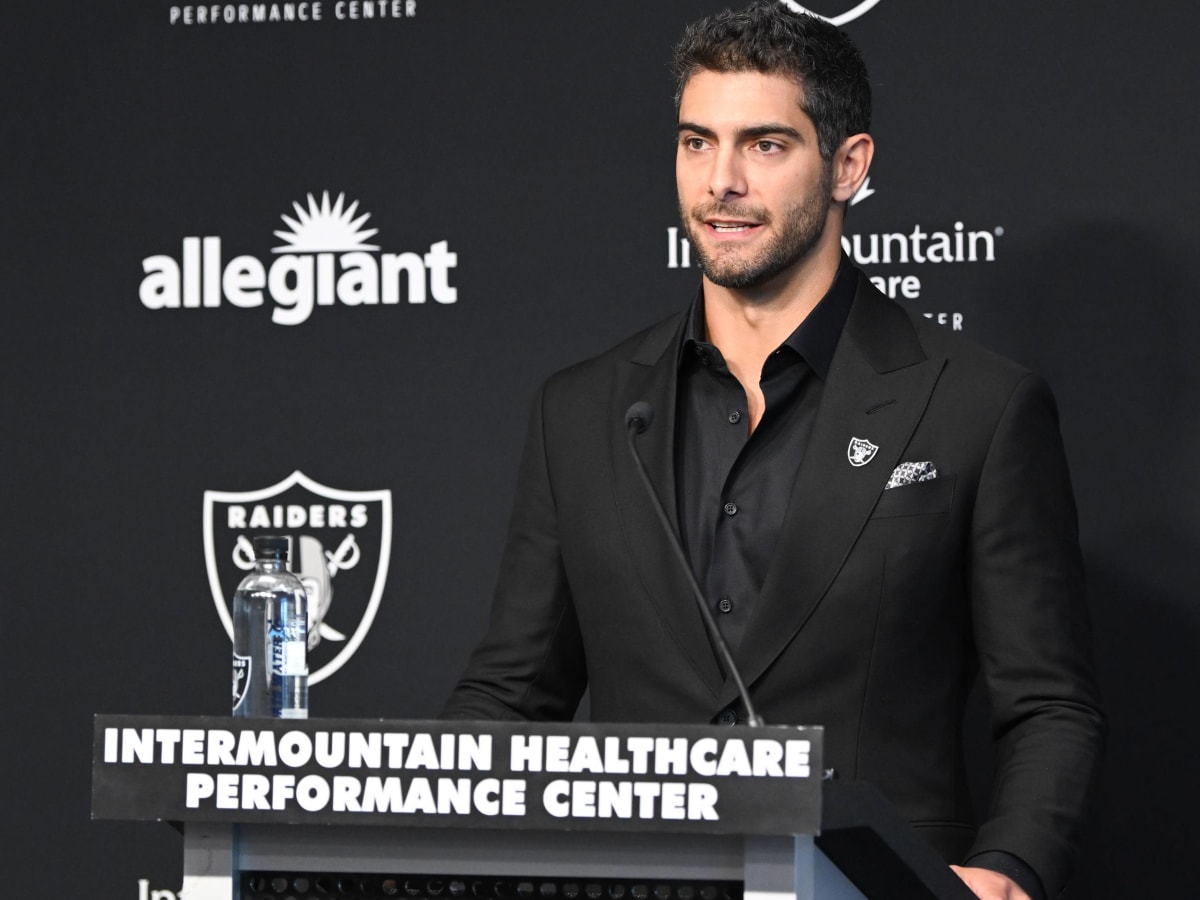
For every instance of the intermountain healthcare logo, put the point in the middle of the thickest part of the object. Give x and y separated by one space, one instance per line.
324 261
917 246
338 538
908 246
859 9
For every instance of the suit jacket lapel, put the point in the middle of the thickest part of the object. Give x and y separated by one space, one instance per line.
878 387
652 376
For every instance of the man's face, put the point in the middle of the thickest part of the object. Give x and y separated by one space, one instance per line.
754 192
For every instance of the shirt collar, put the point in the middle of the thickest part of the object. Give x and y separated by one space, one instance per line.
814 339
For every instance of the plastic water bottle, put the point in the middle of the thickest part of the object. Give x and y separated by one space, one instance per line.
270 633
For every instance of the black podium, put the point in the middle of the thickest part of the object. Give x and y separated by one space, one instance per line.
491 811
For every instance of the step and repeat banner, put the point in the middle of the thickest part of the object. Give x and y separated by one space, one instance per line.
299 268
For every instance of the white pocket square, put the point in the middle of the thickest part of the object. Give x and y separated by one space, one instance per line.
911 473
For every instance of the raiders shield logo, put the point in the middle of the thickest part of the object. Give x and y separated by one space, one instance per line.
849 15
241 678
341 543
860 451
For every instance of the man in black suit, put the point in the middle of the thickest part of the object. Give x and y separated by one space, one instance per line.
876 509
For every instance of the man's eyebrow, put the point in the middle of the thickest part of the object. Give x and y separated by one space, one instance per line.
696 129
769 128
750 132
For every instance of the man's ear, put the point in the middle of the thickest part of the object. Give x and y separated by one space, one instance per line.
851 162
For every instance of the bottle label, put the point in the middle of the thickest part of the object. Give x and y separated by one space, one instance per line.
241 679
290 658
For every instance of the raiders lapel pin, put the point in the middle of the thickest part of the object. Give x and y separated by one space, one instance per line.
861 451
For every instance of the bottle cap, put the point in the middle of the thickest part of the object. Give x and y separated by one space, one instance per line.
269 547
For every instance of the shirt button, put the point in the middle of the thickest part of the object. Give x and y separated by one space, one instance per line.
725 605
730 508
727 717
735 417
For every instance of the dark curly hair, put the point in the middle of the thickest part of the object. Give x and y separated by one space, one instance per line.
768 38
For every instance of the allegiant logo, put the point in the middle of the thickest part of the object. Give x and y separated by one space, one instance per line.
324 261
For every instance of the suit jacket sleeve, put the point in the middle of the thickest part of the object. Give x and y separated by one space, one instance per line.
1032 635
530 664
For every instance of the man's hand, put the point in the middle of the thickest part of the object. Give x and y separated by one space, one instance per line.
989 885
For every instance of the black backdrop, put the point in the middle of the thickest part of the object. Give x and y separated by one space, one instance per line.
534 138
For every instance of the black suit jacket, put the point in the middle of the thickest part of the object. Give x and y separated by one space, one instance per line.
880 605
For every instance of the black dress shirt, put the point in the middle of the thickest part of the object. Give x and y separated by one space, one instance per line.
734 486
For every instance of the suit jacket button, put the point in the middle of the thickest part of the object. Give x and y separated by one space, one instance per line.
727 717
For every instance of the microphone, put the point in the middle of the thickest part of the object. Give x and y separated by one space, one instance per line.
638 418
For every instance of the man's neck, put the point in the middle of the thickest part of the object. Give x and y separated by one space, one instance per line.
748 324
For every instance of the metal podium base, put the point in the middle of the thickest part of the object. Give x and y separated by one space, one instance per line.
621 866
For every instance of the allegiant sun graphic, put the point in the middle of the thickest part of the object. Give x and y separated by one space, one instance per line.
325 261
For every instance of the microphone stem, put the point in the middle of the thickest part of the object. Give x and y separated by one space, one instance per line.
727 664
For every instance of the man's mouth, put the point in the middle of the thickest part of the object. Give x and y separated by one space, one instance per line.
722 221
721 226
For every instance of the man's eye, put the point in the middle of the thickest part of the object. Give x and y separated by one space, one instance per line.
766 146
694 143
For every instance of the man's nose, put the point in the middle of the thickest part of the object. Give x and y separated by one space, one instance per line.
727 178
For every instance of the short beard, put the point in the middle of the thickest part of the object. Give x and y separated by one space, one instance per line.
803 226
